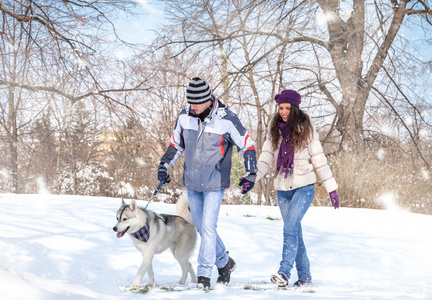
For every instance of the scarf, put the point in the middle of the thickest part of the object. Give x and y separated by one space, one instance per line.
285 158
206 112
143 234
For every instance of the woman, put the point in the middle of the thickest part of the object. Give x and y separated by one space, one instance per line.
295 147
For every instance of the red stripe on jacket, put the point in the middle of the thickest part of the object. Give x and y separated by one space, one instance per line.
173 138
250 148
221 147
247 137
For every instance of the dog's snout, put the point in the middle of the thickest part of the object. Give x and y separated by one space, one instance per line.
115 228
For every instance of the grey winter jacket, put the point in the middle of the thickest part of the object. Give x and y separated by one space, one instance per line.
207 148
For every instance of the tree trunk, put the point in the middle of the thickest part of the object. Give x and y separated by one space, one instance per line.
346 45
224 74
13 140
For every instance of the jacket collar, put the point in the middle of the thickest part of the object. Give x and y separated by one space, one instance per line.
217 106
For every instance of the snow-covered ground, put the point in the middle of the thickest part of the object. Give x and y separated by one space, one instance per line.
63 247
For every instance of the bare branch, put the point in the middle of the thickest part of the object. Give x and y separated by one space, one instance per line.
413 140
73 98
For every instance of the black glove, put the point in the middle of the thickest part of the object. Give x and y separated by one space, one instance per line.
163 174
247 183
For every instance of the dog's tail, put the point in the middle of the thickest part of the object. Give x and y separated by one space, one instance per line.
183 210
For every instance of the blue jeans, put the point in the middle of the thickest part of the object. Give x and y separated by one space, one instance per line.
204 208
293 206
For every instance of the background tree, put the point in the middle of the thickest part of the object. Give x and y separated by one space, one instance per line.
345 57
62 48
41 156
360 66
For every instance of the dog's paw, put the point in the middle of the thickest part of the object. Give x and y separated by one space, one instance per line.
149 284
135 285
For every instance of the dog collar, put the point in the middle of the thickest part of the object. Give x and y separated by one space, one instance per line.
143 234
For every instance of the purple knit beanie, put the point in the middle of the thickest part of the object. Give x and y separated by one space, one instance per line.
288 96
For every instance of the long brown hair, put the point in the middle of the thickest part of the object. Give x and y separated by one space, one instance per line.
299 127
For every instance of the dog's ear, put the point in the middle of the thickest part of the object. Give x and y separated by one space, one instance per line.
133 205
123 203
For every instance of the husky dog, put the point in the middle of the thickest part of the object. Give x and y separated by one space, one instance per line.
153 233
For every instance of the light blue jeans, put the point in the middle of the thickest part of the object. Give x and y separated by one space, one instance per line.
204 208
293 206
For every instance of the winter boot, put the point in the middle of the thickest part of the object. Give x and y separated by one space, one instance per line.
225 272
279 279
204 281
300 283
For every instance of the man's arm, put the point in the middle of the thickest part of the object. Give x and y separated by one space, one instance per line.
176 147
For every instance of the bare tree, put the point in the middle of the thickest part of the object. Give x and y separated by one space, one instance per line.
58 48
345 46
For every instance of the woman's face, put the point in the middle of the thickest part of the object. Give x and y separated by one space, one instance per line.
284 111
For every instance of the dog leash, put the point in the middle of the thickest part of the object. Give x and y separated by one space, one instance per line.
156 191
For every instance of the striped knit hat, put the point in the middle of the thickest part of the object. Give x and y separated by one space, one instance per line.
198 91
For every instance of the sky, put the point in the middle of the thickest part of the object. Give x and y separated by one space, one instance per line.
139 28
63 247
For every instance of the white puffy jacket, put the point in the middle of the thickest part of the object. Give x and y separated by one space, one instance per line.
305 161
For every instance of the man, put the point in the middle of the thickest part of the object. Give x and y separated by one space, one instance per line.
206 131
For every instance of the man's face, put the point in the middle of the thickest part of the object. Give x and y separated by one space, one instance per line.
199 108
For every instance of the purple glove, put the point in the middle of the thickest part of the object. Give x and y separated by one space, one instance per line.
334 199
247 183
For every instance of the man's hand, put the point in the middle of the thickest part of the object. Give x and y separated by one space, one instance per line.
163 174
